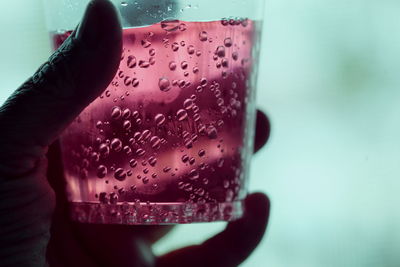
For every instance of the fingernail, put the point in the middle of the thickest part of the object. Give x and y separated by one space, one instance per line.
99 15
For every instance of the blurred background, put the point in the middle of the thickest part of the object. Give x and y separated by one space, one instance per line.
329 80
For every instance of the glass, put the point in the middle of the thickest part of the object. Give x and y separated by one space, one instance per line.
170 139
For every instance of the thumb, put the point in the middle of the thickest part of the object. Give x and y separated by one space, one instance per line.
36 113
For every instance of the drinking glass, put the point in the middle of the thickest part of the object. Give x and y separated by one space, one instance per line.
170 139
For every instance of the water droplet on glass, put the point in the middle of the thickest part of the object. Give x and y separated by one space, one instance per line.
131 62
146 135
166 169
185 158
195 69
224 63
152 60
164 84
181 115
188 103
116 113
104 149
99 124
140 152
101 171
170 25
145 180
155 142
182 27
235 56
183 43
146 43
119 174
203 36
152 52
192 161
159 119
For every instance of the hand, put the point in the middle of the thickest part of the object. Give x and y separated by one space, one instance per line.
34 224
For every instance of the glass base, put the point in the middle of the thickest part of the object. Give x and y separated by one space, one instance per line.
141 213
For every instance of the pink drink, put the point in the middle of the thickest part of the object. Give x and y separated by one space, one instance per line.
169 139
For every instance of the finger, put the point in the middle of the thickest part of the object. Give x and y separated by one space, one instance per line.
36 113
230 247
263 129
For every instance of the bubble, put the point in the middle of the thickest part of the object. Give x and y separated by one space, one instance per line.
203 82
185 158
224 63
224 74
167 169
116 145
203 36
135 114
119 174
103 198
154 175
124 3
101 171
133 163
224 22
133 187
182 27
188 187
195 69
196 117
145 180
183 43
140 152
172 65
135 82
131 62
99 124
235 56
104 149
175 46
184 65
155 142
226 184
212 132
202 152
116 113
228 42
108 94
127 125
164 84
144 64
191 50
199 89
192 161
113 198
152 60
185 134
170 25
152 161
145 170
188 143
146 134
220 162
220 51
188 103
152 52
220 101
159 119
198 53
202 128
181 115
